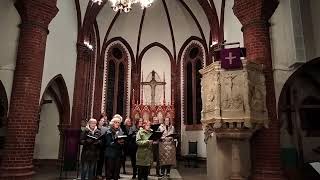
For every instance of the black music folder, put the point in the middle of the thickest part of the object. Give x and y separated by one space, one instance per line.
155 127
156 135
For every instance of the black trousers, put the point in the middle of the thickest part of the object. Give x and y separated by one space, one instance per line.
100 162
155 149
165 168
143 172
131 152
112 168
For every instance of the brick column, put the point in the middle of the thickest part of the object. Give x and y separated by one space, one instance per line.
254 16
24 105
79 99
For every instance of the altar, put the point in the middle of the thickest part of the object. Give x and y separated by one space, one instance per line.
152 100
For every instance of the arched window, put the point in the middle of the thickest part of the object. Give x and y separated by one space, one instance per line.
193 62
189 94
116 76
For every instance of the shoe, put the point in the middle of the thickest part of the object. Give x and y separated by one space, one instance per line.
99 177
134 177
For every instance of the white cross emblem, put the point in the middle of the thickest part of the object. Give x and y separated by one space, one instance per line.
230 58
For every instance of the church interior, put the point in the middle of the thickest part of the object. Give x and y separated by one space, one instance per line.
63 62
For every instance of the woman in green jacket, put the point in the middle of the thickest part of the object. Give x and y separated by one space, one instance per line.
144 152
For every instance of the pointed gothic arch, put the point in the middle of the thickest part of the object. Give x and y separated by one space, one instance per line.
3 116
298 112
58 91
117 72
192 57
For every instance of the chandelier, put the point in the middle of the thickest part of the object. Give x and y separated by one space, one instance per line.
125 5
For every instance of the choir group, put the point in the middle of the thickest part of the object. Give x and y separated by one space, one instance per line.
109 143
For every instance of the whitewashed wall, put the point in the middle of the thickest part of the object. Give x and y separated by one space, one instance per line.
283 45
158 60
311 13
61 55
47 138
232 26
9 34
155 26
294 37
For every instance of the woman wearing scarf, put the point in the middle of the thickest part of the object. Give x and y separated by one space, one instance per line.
167 148
144 152
90 152
113 150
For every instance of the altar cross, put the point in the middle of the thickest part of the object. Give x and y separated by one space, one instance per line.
153 83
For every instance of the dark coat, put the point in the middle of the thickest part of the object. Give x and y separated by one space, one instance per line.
90 150
113 149
130 144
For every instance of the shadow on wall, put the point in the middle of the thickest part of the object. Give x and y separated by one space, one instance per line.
299 114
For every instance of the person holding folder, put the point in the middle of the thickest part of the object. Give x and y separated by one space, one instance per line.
144 152
90 139
167 147
113 149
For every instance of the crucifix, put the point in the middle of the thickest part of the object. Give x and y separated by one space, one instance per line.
230 58
153 83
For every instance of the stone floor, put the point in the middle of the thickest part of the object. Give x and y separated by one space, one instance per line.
180 172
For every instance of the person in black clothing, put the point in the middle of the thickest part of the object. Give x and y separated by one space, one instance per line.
130 147
113 150
103 127
155 149
90 152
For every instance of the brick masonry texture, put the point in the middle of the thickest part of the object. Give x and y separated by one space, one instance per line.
23 111
254 16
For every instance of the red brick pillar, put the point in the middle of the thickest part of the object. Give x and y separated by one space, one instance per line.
79 99
254 16
24 105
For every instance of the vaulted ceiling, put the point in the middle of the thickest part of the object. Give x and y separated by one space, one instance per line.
169 22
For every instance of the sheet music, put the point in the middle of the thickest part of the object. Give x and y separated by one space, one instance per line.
316 166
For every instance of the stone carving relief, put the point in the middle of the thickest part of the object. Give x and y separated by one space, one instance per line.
232 91
210 95
233 99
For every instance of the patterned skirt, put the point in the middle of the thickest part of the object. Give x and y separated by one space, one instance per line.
167 153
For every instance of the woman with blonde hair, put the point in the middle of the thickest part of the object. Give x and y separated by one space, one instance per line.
167 147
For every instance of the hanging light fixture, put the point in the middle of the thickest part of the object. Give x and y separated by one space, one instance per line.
125 5
97 1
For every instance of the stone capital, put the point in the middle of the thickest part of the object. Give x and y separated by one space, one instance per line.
38 13
252 11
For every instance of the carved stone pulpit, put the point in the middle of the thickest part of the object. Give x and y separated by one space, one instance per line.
234 106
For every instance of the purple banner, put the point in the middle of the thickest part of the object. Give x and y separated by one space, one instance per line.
71 148
230 58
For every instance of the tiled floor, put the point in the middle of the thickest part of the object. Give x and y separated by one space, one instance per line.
180 172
